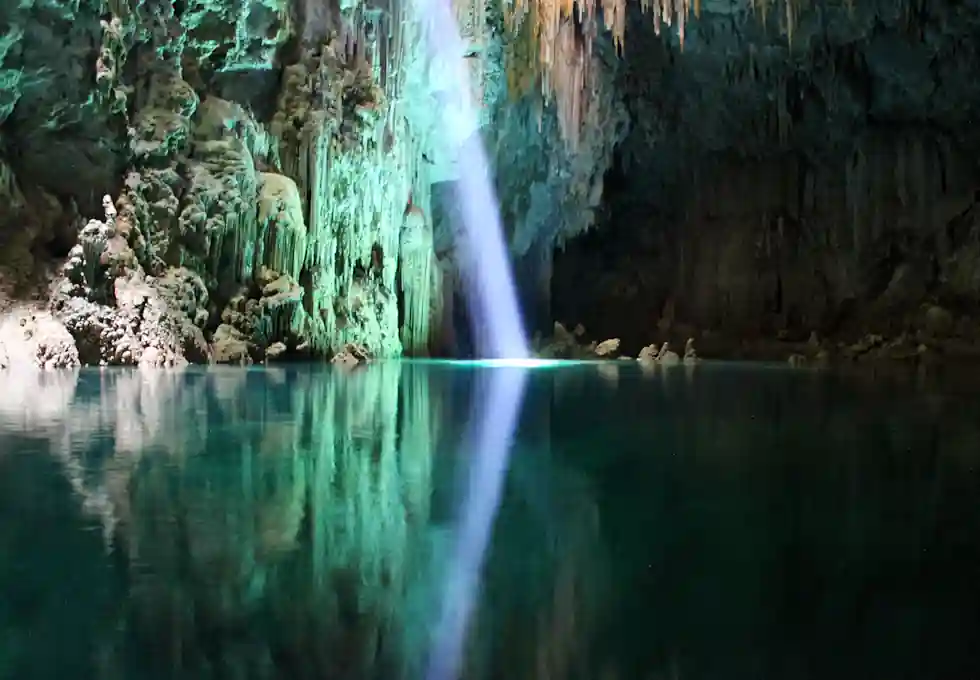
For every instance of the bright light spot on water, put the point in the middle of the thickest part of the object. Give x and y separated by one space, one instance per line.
505 363
519 363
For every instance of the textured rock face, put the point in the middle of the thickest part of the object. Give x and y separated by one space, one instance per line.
772 189
34 338
207 179
246 161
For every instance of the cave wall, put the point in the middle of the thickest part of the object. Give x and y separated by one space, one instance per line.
774 185
238 180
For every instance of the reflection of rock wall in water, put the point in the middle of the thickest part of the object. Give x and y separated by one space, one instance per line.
275 503
279 523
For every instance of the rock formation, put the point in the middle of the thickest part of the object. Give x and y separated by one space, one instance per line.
812 172
207 179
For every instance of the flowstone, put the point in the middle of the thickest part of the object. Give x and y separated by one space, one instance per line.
237 138
30 337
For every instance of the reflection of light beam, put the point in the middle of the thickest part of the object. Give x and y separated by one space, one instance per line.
488 281
488 444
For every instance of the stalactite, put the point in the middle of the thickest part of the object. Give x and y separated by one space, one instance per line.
281 245
541 55
223 195
10 191
354 164
417 260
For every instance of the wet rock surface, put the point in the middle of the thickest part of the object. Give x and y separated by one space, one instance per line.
351 356
565 344
769 187
222 181
34 338
153 178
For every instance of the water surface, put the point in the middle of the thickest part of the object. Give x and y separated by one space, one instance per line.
725 521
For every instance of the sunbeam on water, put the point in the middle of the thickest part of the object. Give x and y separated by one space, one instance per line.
498 334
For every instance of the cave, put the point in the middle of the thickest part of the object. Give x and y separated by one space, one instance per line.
773 189
479 339
763 178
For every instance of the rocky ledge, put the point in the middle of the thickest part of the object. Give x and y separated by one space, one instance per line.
939 340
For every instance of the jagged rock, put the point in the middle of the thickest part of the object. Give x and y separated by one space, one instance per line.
813 342
562 344
230 346
901 348
33 338
865 345
352 355
690 354
275 351
281 291
148 325
648 355
666 356
262 313
561 334
568 345
607 348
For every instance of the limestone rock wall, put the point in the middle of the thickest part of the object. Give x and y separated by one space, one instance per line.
259 173
549 186
774 187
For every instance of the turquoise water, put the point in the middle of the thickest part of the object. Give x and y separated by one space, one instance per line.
725 521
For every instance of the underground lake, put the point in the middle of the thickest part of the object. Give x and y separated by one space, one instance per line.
721 520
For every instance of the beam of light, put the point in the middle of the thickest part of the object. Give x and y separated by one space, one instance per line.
488 282
498 333
495 418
